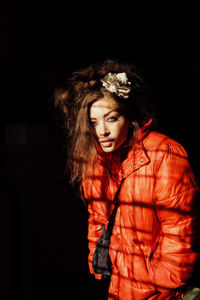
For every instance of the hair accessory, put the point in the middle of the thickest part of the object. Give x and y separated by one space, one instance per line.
117 83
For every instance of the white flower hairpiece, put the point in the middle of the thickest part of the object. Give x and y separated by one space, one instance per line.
117 83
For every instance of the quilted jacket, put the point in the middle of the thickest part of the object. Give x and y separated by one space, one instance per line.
152 246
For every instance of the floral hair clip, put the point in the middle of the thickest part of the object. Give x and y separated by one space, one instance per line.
117 83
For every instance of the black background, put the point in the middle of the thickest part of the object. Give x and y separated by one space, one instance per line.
43 221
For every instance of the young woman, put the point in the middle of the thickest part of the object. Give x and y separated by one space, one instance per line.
115 148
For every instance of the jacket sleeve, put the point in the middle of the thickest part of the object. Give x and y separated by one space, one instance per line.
176 195
94 232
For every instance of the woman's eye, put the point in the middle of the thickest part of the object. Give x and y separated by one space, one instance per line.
112 119
93 123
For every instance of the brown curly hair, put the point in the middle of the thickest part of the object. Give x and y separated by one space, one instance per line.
75 99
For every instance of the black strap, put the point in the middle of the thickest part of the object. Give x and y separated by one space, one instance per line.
112 217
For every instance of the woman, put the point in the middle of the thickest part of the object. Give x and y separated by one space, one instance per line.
115 148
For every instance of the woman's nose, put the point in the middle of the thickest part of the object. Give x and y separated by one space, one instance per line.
103 130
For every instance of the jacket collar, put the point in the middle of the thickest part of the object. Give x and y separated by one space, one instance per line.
136 159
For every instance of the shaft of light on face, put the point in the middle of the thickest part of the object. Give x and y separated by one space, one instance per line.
102 129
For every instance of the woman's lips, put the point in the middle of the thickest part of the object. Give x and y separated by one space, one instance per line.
106 143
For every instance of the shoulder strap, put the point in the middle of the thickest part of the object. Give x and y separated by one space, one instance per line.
112 217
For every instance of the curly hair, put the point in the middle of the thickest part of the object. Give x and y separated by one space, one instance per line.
74 100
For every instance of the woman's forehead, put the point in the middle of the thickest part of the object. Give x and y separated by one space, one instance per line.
104 105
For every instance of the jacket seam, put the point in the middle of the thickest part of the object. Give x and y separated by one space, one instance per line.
177 194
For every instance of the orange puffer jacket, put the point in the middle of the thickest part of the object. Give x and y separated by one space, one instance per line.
151 246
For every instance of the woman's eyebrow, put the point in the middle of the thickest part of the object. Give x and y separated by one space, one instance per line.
109 112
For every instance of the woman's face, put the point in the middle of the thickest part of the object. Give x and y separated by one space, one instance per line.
109 125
